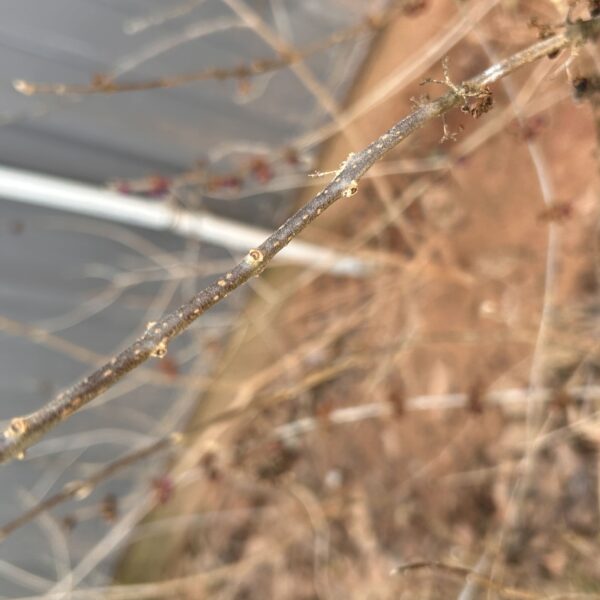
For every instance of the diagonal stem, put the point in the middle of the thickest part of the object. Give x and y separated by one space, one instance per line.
26 430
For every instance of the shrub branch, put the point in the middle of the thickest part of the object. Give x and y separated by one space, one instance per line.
24 431
106 84
82 488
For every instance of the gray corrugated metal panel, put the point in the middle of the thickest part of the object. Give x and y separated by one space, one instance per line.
54 153
62 30
112 129
73 31
47 260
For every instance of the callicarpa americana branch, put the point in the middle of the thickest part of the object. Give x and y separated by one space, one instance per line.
472 95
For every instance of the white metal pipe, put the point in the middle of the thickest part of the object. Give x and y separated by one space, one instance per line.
63 194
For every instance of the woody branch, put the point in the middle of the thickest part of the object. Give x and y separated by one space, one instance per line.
24 431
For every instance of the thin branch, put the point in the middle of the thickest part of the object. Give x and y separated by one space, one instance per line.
535 411
463 572
169 588
26 430
406 72
82 488
82 354
105 84
512 401
154 19
323 97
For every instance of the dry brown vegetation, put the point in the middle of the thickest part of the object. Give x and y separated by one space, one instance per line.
496 487
443 409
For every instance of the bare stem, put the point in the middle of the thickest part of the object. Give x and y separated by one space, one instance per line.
82 488
463 572
105 84
26 430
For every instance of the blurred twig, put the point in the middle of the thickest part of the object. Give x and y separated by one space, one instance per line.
82 488
463 572
105 84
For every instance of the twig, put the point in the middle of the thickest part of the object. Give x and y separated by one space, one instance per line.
154 19
148 591
83 355
535 411
403 75
463 572
514 400
26 430
105 84
305 75
82 488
